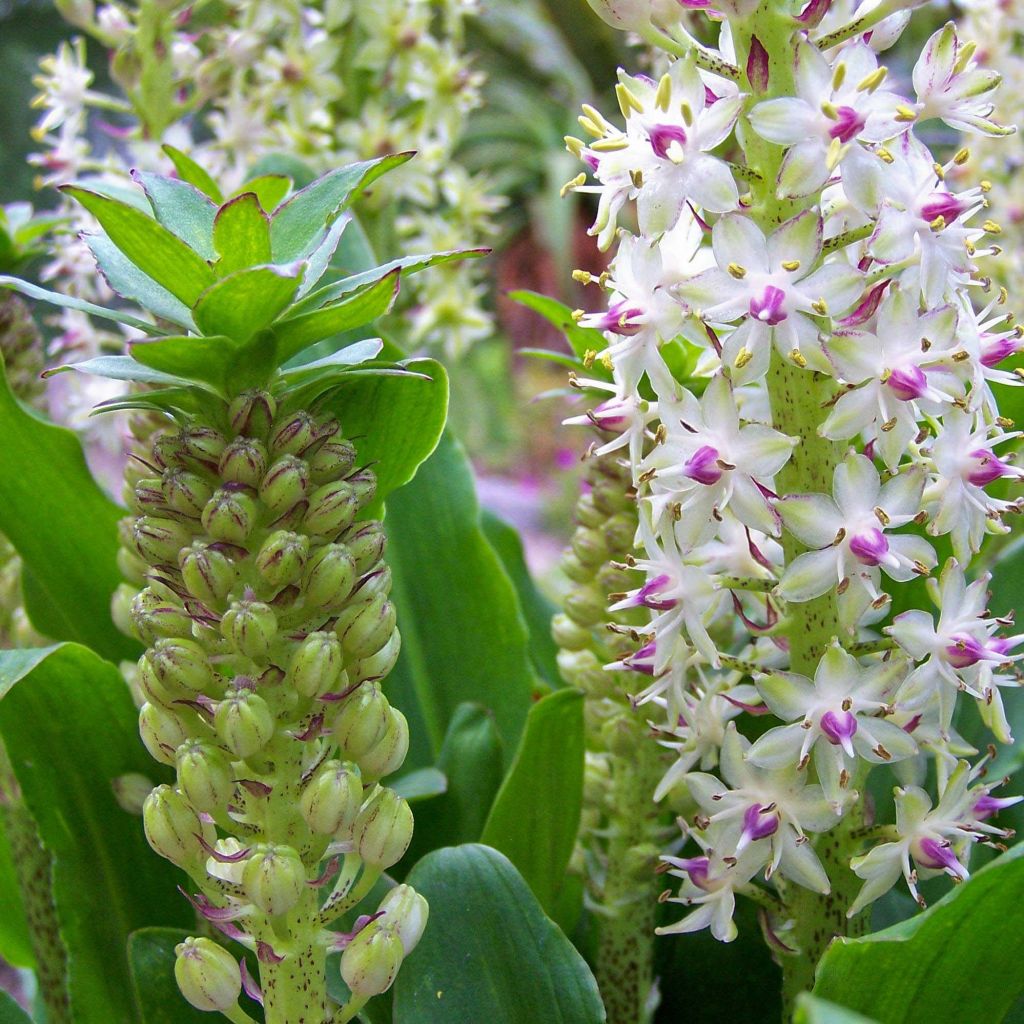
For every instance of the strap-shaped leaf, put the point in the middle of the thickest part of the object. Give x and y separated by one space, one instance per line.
188 170
321 257
241 234
118 368
149 245
181 208
33 291
226 364
269 189
298 333
298 222
245 302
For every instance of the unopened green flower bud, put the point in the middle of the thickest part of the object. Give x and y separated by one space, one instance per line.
316 666
611 580
575 569
568 634
244 461
364 483
122 601
251 626
587 513
168 451
146 683
583 670
378 665
295 436
330 576
202 445
285 484
159 540
244 722
208 573
620 531
332 508
274 878
366 543
365 628
207 974
362 721
383 830
205 776
131 567
162 732
387 756
147 496
371 960
186 492
131 790
405 913
231 514
153 616
589 546
586 606
252 413
376 582
332 461
611 495
181 664
282 558
331 801
172 826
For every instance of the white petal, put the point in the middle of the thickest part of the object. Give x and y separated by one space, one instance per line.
856 485
788 694
785 121
855 411
737 239
777 748
813 518
804 169
809 576
710 184
799 238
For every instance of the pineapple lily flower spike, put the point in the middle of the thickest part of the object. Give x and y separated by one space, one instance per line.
257 582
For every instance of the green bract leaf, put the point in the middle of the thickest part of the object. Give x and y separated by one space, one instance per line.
299 332
70 729
63 526
269 189
811 1010
581 339
182 209
131 283
118 368
321 258
245 302
344 359
157 996
536 815
149 245
964 952
227 365
300 220
421 784
489 953
191 172
80 305
241 234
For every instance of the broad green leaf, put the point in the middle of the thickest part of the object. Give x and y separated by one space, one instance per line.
157 997
536 814
188 170
963 952
463 634
397 420
299 221
131 283
63 526
11 1012
537 609
421 784
79 305
269 189
489 953
581 339
245 302
210 360
299 332
148 244
241 234
182 208
471 759
70 729
811 1010
15 943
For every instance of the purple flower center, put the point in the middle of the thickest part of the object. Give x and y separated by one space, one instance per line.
697 869
987 467
995 350
869 547
759 822
988 805
944 205
643 660
619 319
648 594
664 136
908 383
703 467
839 728
965 651
612 415
769 307
848 124
937 855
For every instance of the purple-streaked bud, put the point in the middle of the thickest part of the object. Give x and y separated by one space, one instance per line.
202 445
378 665
159 540
869 546
207 572
839 729
362 721
364 485
186 493
770 306
251 626
371 960
172 827
297 435
332 508
944 205
332 461
285 485
231 514
387 756
366 543
365 628
252 413
329 577
316 666
938 855
987 467
282 558
907 383
405 913
274 878
244 461
153 616
162 732
205 776
181 665
383 830
207 975
331 800
703 466
757 66
244 722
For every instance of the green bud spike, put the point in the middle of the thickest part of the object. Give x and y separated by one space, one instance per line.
362 721
244 722
205 776
383 830
274 878
388 755
173 828
332 799
371 960
207 974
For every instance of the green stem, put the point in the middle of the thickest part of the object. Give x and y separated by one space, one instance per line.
295 990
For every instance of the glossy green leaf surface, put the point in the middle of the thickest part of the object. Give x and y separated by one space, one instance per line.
188 170
182 208
33 291
212 360
536 814
245 302
489 953
63 526
811 1010
70 729
963 952
241 234
15 944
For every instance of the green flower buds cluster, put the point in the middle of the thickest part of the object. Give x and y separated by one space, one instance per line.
618 842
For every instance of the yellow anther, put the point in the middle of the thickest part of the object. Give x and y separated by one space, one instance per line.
839 76
610 145
889 425
905 114
743 357
590 127
663 97
790 265
829 110
940 171
992 227
869 83
820 307
606 362
588 358
798 357
595 115
575 146
687 111
737 271
985 185
578 314
637 177
627 100
884 155
835 153
938 224
582 276
573 183
881 515
962 156
964 56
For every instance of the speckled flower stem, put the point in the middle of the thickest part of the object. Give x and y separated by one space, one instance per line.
798 400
